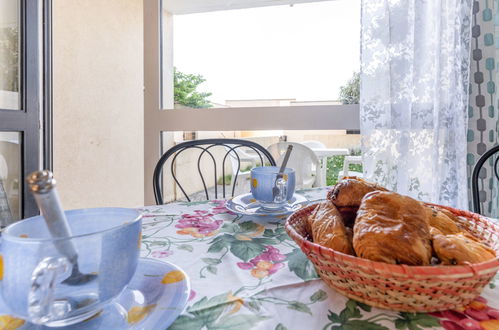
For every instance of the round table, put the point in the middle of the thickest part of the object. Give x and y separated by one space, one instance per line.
246 273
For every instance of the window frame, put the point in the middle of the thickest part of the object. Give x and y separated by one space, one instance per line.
27 119
160 115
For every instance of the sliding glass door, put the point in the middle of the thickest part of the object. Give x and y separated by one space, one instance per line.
262 65
20 104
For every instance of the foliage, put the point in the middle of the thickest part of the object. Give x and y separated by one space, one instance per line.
415 321
350 93
219 312
185 90
256 301
492 283
299 264
9 65
335 165
350 318
214 313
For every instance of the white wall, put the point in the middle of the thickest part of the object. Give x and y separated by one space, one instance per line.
98 102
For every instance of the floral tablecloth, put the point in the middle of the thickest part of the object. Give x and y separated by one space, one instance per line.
246 273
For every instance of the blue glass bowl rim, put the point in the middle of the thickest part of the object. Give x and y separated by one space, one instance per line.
265 170
105 210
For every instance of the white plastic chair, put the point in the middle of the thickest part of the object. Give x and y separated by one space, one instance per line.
5 211
321 177
346 167
4 169
302 160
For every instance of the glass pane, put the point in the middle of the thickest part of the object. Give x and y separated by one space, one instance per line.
336 151
10 175
298 55
9 55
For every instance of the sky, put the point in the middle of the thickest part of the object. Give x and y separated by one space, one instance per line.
304 52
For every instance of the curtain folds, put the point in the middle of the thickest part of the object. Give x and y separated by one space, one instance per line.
414 96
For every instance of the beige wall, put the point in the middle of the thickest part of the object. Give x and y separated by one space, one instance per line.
332 139
98 102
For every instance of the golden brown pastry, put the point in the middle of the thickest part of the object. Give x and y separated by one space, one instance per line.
350 237
349 191
459 249
310 220
462 223
328 228
441 221
348 214
448 223
392 228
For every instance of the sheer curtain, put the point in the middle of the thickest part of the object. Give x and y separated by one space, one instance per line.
414 97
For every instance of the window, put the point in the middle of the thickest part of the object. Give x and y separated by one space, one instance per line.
20 90
267 68
330 147
297 55
9 54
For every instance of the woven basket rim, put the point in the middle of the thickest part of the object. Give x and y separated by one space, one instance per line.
470 270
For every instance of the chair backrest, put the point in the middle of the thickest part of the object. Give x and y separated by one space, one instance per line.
206 150
4 169
303 160
242 156
476 176
5 212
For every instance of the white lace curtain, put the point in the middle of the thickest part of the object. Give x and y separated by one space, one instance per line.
414 96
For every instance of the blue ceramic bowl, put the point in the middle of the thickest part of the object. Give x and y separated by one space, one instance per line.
108 244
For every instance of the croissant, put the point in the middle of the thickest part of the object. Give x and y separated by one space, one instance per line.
461 222
328 228
441 221
459 249
392 228
347 195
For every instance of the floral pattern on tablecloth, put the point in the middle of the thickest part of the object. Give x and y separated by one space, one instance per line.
246 273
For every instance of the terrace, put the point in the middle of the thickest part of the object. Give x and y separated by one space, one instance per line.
83 129
402 94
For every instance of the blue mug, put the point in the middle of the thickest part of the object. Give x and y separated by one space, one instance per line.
270 191
108 244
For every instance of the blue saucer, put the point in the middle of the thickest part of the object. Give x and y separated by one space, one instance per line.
247 205
155 297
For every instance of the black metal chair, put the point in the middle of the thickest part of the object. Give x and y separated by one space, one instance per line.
476 175
206 147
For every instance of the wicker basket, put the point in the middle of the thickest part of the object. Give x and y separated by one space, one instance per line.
400 287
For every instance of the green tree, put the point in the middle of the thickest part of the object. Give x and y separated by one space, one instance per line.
185 90
350 93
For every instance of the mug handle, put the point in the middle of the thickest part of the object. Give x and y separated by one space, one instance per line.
41 306
282 186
